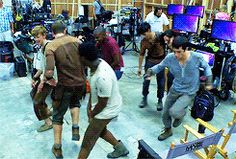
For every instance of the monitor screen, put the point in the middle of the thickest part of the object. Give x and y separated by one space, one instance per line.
175 9
224 30
195 10
208 57
186 23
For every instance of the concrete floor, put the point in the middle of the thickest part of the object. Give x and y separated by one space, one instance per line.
19 138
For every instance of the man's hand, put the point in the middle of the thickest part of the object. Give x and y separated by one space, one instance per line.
40 87
90 115
139 72
52 82
148 74
209 87
33 83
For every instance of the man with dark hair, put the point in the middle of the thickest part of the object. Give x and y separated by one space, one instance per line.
154 47
104 103
110 50
184 65
63 54
157 19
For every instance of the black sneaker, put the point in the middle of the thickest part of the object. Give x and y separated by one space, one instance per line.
143 103
159 106
177 122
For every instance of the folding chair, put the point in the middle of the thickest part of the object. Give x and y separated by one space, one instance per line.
208 143
221 148
146 151
234 118
186 147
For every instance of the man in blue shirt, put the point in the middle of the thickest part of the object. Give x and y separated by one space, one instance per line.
184 65
97 4
6 23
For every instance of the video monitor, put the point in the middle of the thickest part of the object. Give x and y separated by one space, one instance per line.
175 9
224 30
208 57
195 10
185 23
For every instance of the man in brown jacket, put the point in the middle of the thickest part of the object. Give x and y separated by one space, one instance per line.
152 45
63 54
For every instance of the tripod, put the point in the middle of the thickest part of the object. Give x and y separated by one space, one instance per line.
133 44
133 24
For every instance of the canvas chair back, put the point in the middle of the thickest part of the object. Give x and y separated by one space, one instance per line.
190 147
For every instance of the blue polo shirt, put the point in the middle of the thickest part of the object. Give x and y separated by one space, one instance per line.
5 19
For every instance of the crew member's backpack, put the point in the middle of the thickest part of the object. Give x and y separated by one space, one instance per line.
203 106
229 71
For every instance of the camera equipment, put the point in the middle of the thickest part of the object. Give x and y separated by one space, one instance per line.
26 14
26 43
81 19
48 25
133 21
106 16
6 51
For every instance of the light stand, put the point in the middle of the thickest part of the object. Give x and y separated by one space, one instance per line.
133 24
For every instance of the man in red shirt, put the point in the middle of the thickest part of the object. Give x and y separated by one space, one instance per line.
110 50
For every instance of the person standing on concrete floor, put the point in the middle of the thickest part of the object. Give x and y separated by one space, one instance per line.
154 46
104 103
97 11
63 54
40 107
157 19
110 50
47 6
184 65
6 25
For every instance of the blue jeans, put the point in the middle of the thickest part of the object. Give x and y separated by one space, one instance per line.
118 74
160 78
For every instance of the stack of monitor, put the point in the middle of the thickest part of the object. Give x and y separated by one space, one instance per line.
185 19
173 9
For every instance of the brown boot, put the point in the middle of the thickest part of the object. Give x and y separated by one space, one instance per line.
177 122
164 135
120 150
57 151
75 133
